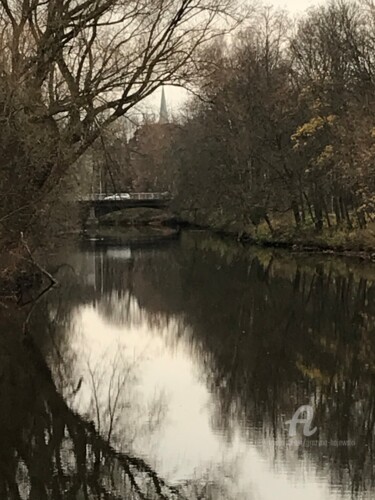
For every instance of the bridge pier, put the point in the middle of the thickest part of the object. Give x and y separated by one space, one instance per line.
92 219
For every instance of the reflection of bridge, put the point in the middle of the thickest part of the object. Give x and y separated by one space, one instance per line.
104 203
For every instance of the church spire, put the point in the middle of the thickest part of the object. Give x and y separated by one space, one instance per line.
163 109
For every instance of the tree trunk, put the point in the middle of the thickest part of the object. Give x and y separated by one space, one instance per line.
361 217
347 216
301 201
318 216
296 213
269 224
309 206
336 208
326 212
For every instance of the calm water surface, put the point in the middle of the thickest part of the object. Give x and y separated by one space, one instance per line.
193 355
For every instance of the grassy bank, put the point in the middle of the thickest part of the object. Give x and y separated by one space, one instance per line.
336 240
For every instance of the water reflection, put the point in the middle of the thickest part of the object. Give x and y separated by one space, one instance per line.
194 355
255 336
48 451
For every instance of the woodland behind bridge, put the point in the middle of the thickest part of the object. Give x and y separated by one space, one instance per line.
286 125
281 135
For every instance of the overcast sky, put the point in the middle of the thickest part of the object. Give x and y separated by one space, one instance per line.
295 5
176 97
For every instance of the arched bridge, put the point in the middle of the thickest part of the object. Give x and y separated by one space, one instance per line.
104 203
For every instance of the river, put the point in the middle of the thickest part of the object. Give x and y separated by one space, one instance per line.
193 356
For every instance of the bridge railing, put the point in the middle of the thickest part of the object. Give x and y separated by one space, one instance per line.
124 196
148 196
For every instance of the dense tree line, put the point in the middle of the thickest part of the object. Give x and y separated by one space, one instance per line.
284 126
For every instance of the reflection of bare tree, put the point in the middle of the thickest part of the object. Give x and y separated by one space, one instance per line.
215 483
50 451
120 415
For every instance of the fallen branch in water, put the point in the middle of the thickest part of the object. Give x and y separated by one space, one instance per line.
52 281
25 328
35 263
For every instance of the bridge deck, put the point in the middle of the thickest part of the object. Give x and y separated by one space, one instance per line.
113 197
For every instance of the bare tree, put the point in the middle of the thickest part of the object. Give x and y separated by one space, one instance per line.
69 68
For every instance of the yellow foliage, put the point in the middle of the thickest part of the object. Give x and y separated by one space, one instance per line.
310 128
325 156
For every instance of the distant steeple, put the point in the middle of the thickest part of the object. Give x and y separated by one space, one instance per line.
163 109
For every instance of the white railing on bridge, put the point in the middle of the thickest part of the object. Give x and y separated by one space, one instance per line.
125 196
148 196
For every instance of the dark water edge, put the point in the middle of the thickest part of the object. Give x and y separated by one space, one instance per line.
129 236
267 331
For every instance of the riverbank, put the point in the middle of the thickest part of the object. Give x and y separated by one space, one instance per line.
338 241
335 241
354 242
